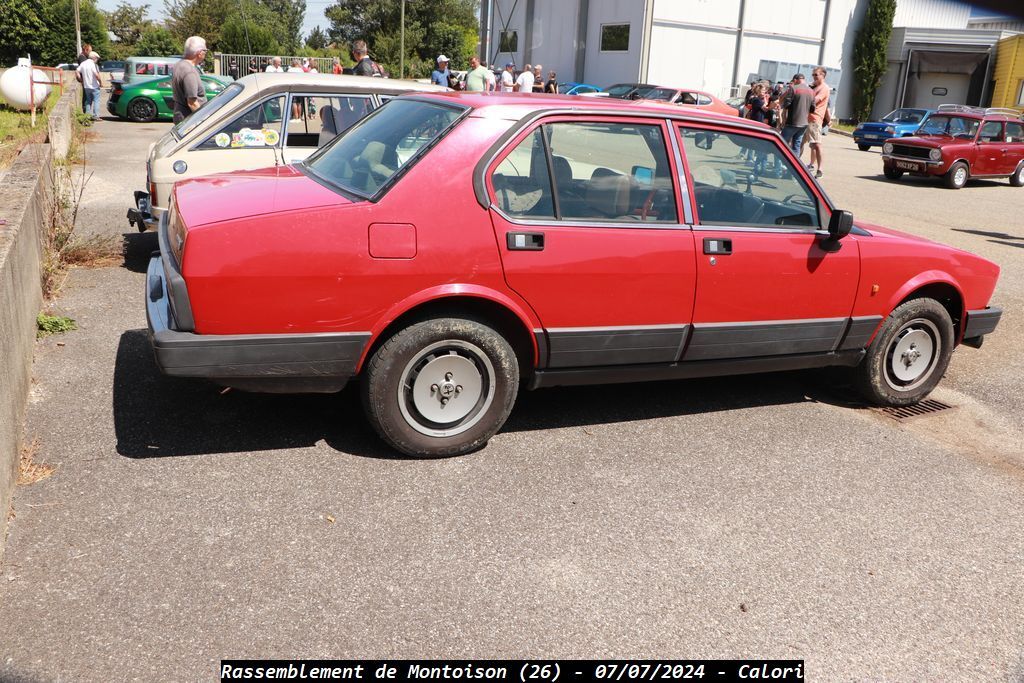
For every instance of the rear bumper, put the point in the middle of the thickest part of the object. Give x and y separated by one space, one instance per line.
282 363
144 216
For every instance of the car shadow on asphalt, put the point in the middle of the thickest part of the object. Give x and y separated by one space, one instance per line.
157 416
136 248
935 181
996 237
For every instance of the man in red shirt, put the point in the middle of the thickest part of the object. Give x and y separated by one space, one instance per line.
816 118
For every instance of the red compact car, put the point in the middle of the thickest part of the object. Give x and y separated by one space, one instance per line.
957 143
451 248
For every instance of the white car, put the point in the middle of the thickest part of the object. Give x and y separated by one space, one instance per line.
263 119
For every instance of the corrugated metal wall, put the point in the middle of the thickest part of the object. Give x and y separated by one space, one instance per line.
1009 72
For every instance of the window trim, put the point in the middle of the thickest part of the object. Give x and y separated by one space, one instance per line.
823 206
600 39
517 135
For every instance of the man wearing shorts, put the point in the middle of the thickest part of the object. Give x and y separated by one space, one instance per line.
816 118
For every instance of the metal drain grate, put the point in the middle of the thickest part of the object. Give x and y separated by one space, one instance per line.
928 407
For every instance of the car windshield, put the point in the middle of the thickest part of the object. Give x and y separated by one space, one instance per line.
661 94
953 126
563 88
190 122
620 89
904 116
366 157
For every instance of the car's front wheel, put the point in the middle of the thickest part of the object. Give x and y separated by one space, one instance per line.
441 387
863 148
892 173
1017 179
142 110
908 356
957 176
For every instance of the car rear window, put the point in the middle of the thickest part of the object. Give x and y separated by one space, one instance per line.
364 159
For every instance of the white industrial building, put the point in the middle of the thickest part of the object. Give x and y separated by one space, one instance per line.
717 45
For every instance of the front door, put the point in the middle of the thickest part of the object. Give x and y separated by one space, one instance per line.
587 219
990 158
765 287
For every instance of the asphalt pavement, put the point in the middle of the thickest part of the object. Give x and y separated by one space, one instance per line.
767 516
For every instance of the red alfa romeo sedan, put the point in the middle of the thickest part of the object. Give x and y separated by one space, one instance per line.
452 248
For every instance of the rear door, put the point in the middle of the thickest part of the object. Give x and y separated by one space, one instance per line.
764 285
250 140
591 234
990 157
1014 145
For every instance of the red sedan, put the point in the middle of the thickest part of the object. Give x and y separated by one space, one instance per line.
688 97
451 248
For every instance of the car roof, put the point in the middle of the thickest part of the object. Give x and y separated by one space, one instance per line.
515 106
267 82
155 60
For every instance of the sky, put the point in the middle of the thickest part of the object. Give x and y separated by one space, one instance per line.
314 11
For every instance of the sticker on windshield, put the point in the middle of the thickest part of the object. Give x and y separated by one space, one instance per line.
248 137
222 139
271 136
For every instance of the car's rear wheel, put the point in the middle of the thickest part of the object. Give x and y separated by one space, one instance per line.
957 176
441 387
892 173
908 356
1017 179
863 148
142 110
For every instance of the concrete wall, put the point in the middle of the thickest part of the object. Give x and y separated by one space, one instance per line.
23 205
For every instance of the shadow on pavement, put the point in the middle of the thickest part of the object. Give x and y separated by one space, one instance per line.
996 237
137 247
157 416
933 181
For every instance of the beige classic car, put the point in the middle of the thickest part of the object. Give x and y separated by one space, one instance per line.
263 119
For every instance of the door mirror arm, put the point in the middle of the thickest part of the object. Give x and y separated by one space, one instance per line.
839 226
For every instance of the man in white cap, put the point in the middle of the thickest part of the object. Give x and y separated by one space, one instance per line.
441 74
186 84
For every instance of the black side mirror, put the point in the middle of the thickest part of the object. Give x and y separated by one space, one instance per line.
839 226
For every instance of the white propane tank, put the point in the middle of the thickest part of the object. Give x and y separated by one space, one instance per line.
15 84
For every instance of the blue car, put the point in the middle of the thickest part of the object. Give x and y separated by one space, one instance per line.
900 123
576 88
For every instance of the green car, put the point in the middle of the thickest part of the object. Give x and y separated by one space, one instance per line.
152 99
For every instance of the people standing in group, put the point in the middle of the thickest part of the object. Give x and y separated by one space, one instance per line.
309 66
551 87
364 65
82 56
254 67
186 83
818 116
88 72
508 78
441 75
476 78
275 66
524 83
296 66
796 103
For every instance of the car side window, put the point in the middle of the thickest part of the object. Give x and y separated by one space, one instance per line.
991 131
258 126
522 184
314 120
744 180
611 172
1014 132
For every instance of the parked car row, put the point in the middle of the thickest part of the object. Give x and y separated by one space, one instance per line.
447 249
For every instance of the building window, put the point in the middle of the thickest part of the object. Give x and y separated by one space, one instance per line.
509 41
940 91
614 37
1020 95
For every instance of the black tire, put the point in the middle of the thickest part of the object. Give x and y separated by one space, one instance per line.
141 110
422 370
892 173
1017 179
863 148
917 331
957 175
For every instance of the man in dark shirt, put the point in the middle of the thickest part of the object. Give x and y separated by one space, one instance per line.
364 65
797 103
186 83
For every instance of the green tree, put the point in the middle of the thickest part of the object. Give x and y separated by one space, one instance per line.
57 39
290 14
317 39
240 36
21 28
157 41
198 18
128 22
428 28
869 55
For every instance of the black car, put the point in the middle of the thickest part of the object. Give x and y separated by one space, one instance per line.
629 91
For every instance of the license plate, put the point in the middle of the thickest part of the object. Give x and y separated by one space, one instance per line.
908 166
873 137
143 204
